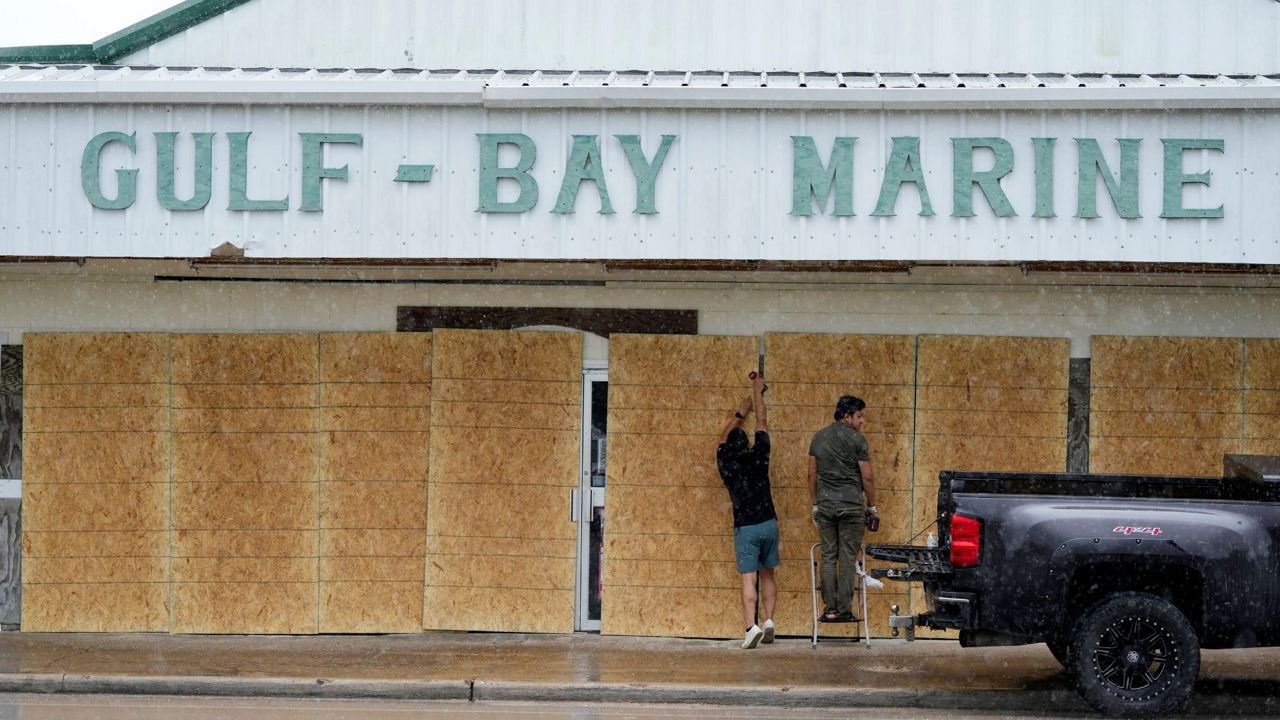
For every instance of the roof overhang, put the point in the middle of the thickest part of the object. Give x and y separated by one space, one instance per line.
96 84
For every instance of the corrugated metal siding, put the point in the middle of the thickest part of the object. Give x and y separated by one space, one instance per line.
724 192
1103 36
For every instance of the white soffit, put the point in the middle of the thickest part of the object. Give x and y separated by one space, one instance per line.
40 84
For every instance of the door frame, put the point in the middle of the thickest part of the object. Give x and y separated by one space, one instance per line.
582 504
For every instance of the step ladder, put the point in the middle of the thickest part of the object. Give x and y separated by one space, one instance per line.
859 589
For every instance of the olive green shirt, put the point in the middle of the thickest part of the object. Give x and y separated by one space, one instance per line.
838 448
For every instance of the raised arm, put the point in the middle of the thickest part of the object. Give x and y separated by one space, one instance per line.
739 415
762 413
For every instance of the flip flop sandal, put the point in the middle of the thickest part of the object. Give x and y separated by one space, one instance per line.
835 617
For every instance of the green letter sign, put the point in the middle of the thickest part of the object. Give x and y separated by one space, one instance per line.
490 173
1175 178
1124 193
165 171
988 181
126 179
313 168
646 172
903 167
810 180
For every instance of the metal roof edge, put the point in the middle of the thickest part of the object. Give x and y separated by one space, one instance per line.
162 25
47 54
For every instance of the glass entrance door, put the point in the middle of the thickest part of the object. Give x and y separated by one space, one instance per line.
589 499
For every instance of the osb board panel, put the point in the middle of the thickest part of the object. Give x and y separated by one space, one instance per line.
993 362
243 358
1158 400
105 607
255 421
1008 399
986 403
386 395
96 458
1166 362
511 455
66 570
698 361
669 397
386 505
1262 402
371 607
245 505
1188 423
245 607
565 392
87 420
62 358
252 395
245 543
371 569
631 457
533 414
244 457
831 358
68 507
662 573
962 421
509 610
484 455
507 546
1262 447
1160 456
99 544
375 357
1262 364
479 510
374 456
1261 427
244 569
1192 412
673 612
507 355
363 542
96 395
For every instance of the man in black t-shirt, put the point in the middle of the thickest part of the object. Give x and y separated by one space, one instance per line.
745 471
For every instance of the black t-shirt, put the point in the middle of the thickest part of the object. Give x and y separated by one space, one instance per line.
746 476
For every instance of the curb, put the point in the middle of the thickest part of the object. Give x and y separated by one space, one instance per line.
778 696
1209 704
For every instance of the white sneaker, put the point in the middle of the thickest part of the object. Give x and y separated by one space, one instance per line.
753 637
768 632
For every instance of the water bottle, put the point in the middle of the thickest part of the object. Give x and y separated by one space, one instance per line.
931 541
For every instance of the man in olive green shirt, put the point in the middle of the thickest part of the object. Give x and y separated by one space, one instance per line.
842 488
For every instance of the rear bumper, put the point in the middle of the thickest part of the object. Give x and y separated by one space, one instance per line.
952 610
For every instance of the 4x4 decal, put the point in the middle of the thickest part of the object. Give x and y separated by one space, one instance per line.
1127 530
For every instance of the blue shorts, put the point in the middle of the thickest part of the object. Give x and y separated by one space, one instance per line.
756 546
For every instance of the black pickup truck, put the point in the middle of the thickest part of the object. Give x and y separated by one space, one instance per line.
1125 577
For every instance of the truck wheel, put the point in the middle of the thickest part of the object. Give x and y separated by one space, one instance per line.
1134 655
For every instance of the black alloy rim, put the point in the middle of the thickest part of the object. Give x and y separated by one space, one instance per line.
1134 653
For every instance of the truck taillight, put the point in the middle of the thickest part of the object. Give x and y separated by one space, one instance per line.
966 541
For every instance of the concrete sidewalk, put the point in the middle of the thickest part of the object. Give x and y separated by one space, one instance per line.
591 668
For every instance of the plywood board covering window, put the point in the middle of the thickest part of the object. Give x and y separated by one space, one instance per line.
375 404
1167 405
1261 425
506 414
807 373
245 483
668 559
986 403
96 485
